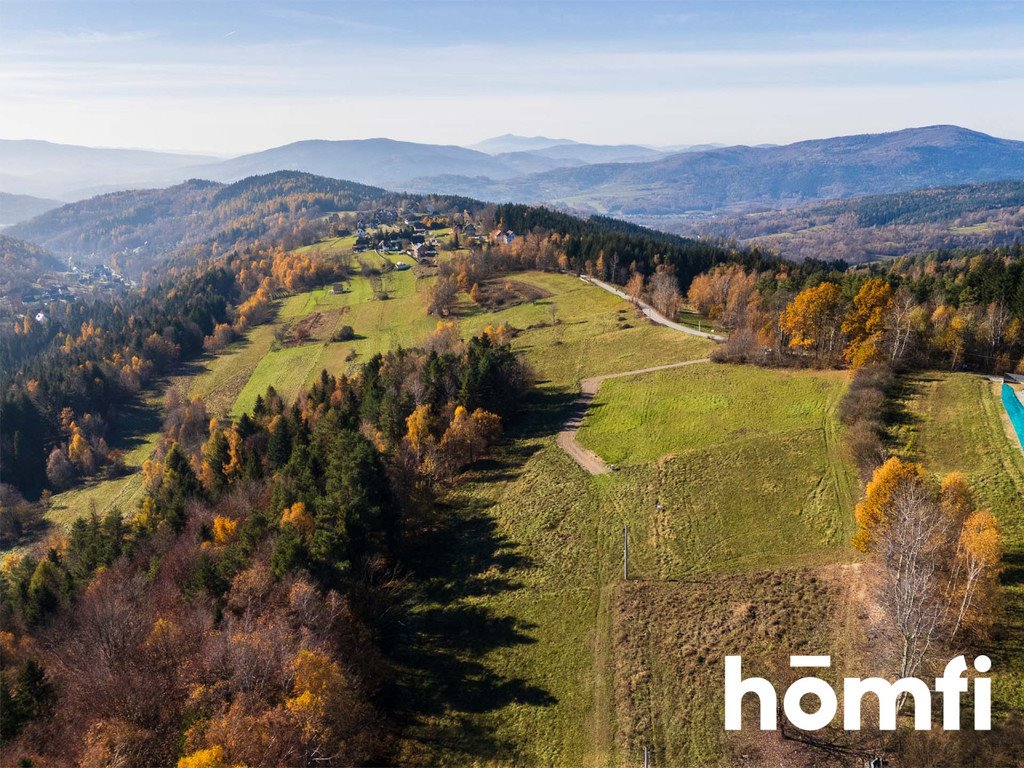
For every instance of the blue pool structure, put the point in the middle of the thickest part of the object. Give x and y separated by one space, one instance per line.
1015 410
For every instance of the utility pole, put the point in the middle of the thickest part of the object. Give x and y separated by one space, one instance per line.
625 553
647 762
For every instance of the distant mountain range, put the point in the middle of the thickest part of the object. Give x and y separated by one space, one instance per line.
734 179
623 180
509 142
69 172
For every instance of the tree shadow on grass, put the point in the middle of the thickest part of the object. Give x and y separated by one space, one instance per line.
898 421
135 420
441 653
544 413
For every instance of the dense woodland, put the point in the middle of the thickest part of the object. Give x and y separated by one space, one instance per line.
953 312
242 613
968 216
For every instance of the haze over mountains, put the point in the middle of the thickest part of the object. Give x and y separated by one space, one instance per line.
630 181
70 172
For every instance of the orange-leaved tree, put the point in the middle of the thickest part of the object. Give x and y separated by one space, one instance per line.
866 323
872 512
812 319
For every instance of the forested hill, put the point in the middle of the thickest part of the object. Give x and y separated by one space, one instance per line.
139 228
619 245
881 226
21 263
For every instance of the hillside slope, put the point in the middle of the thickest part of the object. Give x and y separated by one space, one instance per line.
141 225
878 226
15 208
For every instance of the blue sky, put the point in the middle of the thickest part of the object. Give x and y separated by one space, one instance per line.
230 77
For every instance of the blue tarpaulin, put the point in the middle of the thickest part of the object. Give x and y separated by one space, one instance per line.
1015 410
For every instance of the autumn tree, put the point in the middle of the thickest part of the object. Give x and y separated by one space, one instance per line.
866 324
937 559
420 426
59 471
813 319
664 290
635 286
442 295
872 512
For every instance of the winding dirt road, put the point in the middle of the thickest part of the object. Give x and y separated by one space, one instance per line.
587 459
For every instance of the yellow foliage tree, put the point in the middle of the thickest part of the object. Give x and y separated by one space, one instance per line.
865 324
204 758
80 453
419 430
299 516
812 318
871 513
223 529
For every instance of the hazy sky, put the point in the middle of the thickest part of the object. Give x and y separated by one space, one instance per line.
231 77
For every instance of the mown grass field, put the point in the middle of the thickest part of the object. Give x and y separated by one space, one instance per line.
745 462
956 422
564 680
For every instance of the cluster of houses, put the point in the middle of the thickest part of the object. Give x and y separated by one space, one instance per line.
412 235
65 286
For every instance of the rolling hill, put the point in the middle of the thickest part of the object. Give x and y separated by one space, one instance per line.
369 161
15 208
144 225
21 263
879 226
734 179
510 142
567 149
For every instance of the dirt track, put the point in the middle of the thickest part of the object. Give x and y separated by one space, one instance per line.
652 314
587 459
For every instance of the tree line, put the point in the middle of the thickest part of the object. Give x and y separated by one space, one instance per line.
952 312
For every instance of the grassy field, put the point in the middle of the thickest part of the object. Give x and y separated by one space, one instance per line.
745 462
956 422
143 427
533 573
